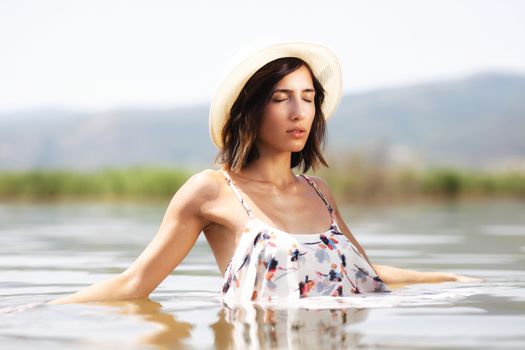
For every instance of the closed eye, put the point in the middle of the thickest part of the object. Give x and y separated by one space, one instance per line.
284 99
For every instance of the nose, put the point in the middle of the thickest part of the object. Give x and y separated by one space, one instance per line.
298 109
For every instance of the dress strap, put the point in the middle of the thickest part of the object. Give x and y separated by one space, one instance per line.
237 194
318 190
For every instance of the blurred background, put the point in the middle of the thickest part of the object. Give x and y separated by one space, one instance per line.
109 99
104 114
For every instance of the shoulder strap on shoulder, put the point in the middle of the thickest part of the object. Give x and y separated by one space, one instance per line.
237 194
318 190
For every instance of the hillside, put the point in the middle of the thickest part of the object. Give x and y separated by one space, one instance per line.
474 122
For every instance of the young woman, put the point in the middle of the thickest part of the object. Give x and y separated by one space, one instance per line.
273 234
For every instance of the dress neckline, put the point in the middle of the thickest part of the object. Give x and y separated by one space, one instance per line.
333 226
253 218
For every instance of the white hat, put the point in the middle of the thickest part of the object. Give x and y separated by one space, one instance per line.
323 62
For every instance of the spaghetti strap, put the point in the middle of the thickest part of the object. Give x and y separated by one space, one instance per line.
237 194
318 190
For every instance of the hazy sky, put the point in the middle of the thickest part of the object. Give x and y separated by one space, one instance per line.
96 55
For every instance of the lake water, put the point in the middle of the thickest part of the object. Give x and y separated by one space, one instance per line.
49 250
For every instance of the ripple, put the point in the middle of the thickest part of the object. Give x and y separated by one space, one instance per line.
405 297
503 230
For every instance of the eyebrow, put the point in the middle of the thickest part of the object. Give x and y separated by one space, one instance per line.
289 90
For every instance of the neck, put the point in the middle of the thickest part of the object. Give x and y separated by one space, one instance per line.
271 167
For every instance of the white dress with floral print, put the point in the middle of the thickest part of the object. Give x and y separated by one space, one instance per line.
271 264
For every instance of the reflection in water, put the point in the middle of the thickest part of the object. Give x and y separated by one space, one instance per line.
253 326
171 333
223 331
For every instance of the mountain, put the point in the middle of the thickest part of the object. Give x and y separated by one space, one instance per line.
474 122
111 139
469 122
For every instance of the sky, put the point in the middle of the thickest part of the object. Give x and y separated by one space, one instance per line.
102 55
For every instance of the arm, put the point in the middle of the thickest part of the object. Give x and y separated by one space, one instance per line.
180 228
389 274
394 275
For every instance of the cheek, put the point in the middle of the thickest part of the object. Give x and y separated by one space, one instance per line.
267 130
270 119
311 111
311 117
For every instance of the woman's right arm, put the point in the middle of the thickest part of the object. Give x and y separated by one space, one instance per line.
180 228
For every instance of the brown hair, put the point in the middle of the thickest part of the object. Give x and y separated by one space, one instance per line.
240 130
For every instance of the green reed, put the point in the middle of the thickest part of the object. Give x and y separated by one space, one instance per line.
108 184
350 183
379 183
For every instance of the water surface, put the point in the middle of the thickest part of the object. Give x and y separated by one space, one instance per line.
49 250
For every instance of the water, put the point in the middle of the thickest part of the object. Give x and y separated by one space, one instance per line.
49 250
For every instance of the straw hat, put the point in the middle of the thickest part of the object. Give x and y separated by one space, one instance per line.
322 61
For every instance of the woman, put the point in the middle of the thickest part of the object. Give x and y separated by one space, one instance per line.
273 234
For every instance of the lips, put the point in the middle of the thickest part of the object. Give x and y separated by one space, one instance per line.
297 132
297 129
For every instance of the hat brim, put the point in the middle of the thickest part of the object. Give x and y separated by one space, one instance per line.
323 62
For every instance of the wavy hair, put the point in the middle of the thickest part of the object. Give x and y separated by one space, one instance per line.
240 130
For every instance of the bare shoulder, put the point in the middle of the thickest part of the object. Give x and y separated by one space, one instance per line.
205 185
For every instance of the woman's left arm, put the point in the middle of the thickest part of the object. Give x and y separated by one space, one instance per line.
389 274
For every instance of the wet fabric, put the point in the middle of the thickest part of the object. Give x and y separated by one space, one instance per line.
269 263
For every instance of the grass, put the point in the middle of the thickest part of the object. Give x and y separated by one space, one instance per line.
376 183
132 183
352 183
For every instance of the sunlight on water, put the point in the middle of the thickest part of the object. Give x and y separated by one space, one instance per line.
54 249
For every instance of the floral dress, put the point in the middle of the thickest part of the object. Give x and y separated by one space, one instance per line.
270 264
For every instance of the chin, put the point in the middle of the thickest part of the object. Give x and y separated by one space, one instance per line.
297 148
289 146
